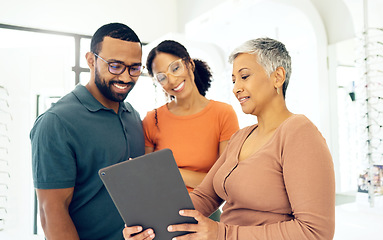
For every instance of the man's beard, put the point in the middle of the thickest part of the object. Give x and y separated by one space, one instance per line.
105 88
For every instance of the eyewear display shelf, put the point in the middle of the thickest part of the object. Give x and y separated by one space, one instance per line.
369 95
5 118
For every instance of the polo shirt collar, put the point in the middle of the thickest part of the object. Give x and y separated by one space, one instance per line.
91 103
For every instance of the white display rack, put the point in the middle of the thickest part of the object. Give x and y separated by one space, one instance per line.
5 176
369 94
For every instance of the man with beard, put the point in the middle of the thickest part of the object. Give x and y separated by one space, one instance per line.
88 129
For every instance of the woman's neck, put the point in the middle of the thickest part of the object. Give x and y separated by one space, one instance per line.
271 120
188 106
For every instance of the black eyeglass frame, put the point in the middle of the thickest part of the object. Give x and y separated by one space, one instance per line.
129 67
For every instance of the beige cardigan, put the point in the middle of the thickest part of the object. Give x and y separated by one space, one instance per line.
286 190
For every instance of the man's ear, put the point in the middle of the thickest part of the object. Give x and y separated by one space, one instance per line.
280 77
90 59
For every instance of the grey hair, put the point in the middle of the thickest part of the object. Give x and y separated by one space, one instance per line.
270 53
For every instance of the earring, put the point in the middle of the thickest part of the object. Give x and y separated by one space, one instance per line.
278 91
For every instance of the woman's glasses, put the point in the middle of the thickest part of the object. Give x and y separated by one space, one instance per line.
176 68
117 68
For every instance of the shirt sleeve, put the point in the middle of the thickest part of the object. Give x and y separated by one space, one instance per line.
53 161
149 125
204 197
229 123
310 184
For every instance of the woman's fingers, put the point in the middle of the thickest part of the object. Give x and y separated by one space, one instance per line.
205 229
187 226
192 213
183 227
134 233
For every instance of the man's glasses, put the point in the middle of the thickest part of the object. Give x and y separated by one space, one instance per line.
176 68
118 68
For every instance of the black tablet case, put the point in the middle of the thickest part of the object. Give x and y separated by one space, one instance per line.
148 191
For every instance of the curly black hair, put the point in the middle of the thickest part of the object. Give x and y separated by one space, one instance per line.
202 72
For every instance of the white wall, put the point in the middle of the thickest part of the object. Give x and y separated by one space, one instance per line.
20 190
86 16
41 65
291 25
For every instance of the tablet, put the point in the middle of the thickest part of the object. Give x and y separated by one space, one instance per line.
149 191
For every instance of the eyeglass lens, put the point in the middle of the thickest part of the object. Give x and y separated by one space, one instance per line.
118 68
176 68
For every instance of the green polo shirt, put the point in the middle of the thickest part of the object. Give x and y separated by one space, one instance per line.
71 141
